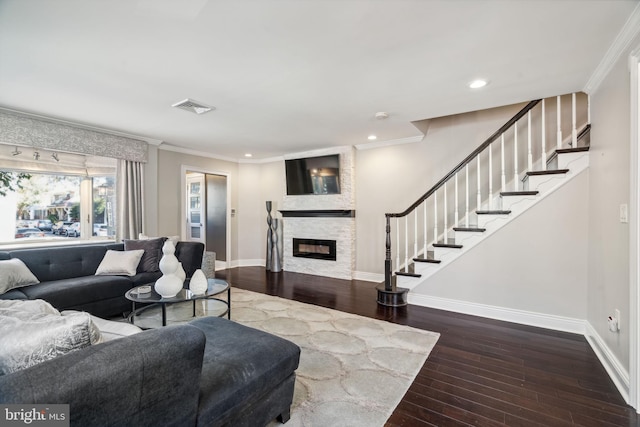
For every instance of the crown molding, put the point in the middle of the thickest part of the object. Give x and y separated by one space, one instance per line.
176 149
400 141
319 152
622 41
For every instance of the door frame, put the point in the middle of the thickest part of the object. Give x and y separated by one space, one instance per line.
183 206
634 231
188 224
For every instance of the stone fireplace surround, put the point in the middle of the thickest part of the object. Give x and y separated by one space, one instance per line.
304 225
322 217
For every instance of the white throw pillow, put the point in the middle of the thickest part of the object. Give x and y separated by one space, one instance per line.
32 332
15 274
120 263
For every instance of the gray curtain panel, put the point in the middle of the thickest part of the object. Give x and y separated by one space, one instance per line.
130 199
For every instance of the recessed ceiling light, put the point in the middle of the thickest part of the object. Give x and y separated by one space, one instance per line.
248 155
372 137
477 84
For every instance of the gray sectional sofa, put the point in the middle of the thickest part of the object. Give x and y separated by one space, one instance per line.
209 372
68 281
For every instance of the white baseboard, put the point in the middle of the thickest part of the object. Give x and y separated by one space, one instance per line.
246 263
612 365
558 323
368 277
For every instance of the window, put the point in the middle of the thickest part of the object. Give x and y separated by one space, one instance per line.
56 198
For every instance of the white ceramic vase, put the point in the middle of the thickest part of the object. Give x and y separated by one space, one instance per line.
181 273
169 284
198 284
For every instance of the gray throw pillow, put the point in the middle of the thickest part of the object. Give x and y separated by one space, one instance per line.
152 253
15 274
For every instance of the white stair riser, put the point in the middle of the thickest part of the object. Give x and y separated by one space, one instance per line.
407 282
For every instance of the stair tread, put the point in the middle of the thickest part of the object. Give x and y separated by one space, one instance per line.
496 212
572 150
446 245
410 271
548 172
519 193
428 260
403 273
470 229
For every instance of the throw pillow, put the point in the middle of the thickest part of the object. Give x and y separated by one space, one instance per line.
35 334
15 274
152 253
120 263
174 239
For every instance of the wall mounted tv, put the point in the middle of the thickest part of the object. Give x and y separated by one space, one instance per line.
313 175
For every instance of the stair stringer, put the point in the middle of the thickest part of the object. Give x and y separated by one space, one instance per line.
546 185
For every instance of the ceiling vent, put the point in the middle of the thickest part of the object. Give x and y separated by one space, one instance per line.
193 106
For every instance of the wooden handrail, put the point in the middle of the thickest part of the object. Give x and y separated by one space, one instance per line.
467 160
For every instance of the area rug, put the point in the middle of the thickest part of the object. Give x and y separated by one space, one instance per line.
353 370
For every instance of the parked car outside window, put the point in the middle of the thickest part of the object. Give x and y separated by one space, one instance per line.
44 225
73 230
22 233
60 227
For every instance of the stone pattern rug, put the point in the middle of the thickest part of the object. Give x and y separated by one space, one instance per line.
353 370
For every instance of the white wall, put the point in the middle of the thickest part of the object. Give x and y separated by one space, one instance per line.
257 183
536 264
608 256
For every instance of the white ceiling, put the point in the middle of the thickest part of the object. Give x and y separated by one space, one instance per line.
289 76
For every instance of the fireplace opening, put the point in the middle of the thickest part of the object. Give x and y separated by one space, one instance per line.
314 248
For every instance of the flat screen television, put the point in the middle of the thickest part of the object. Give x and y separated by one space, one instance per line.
313 175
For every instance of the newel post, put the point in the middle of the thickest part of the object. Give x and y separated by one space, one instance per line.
389 294
387 260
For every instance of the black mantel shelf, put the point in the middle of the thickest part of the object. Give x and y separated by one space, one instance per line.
319 213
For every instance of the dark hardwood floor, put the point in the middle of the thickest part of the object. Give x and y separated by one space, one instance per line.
481 372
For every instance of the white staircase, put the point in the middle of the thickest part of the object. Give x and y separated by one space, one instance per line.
476 199
511 206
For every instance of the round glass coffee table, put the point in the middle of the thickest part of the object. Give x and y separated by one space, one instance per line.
215 306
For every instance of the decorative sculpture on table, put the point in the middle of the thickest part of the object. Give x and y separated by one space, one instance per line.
198 283
169 284
209 264
269 236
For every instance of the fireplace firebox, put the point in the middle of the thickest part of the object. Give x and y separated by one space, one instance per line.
314 248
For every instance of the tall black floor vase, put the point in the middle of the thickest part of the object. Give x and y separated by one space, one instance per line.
269 237
276 262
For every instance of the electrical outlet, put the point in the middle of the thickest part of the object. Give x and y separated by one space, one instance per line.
624 213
